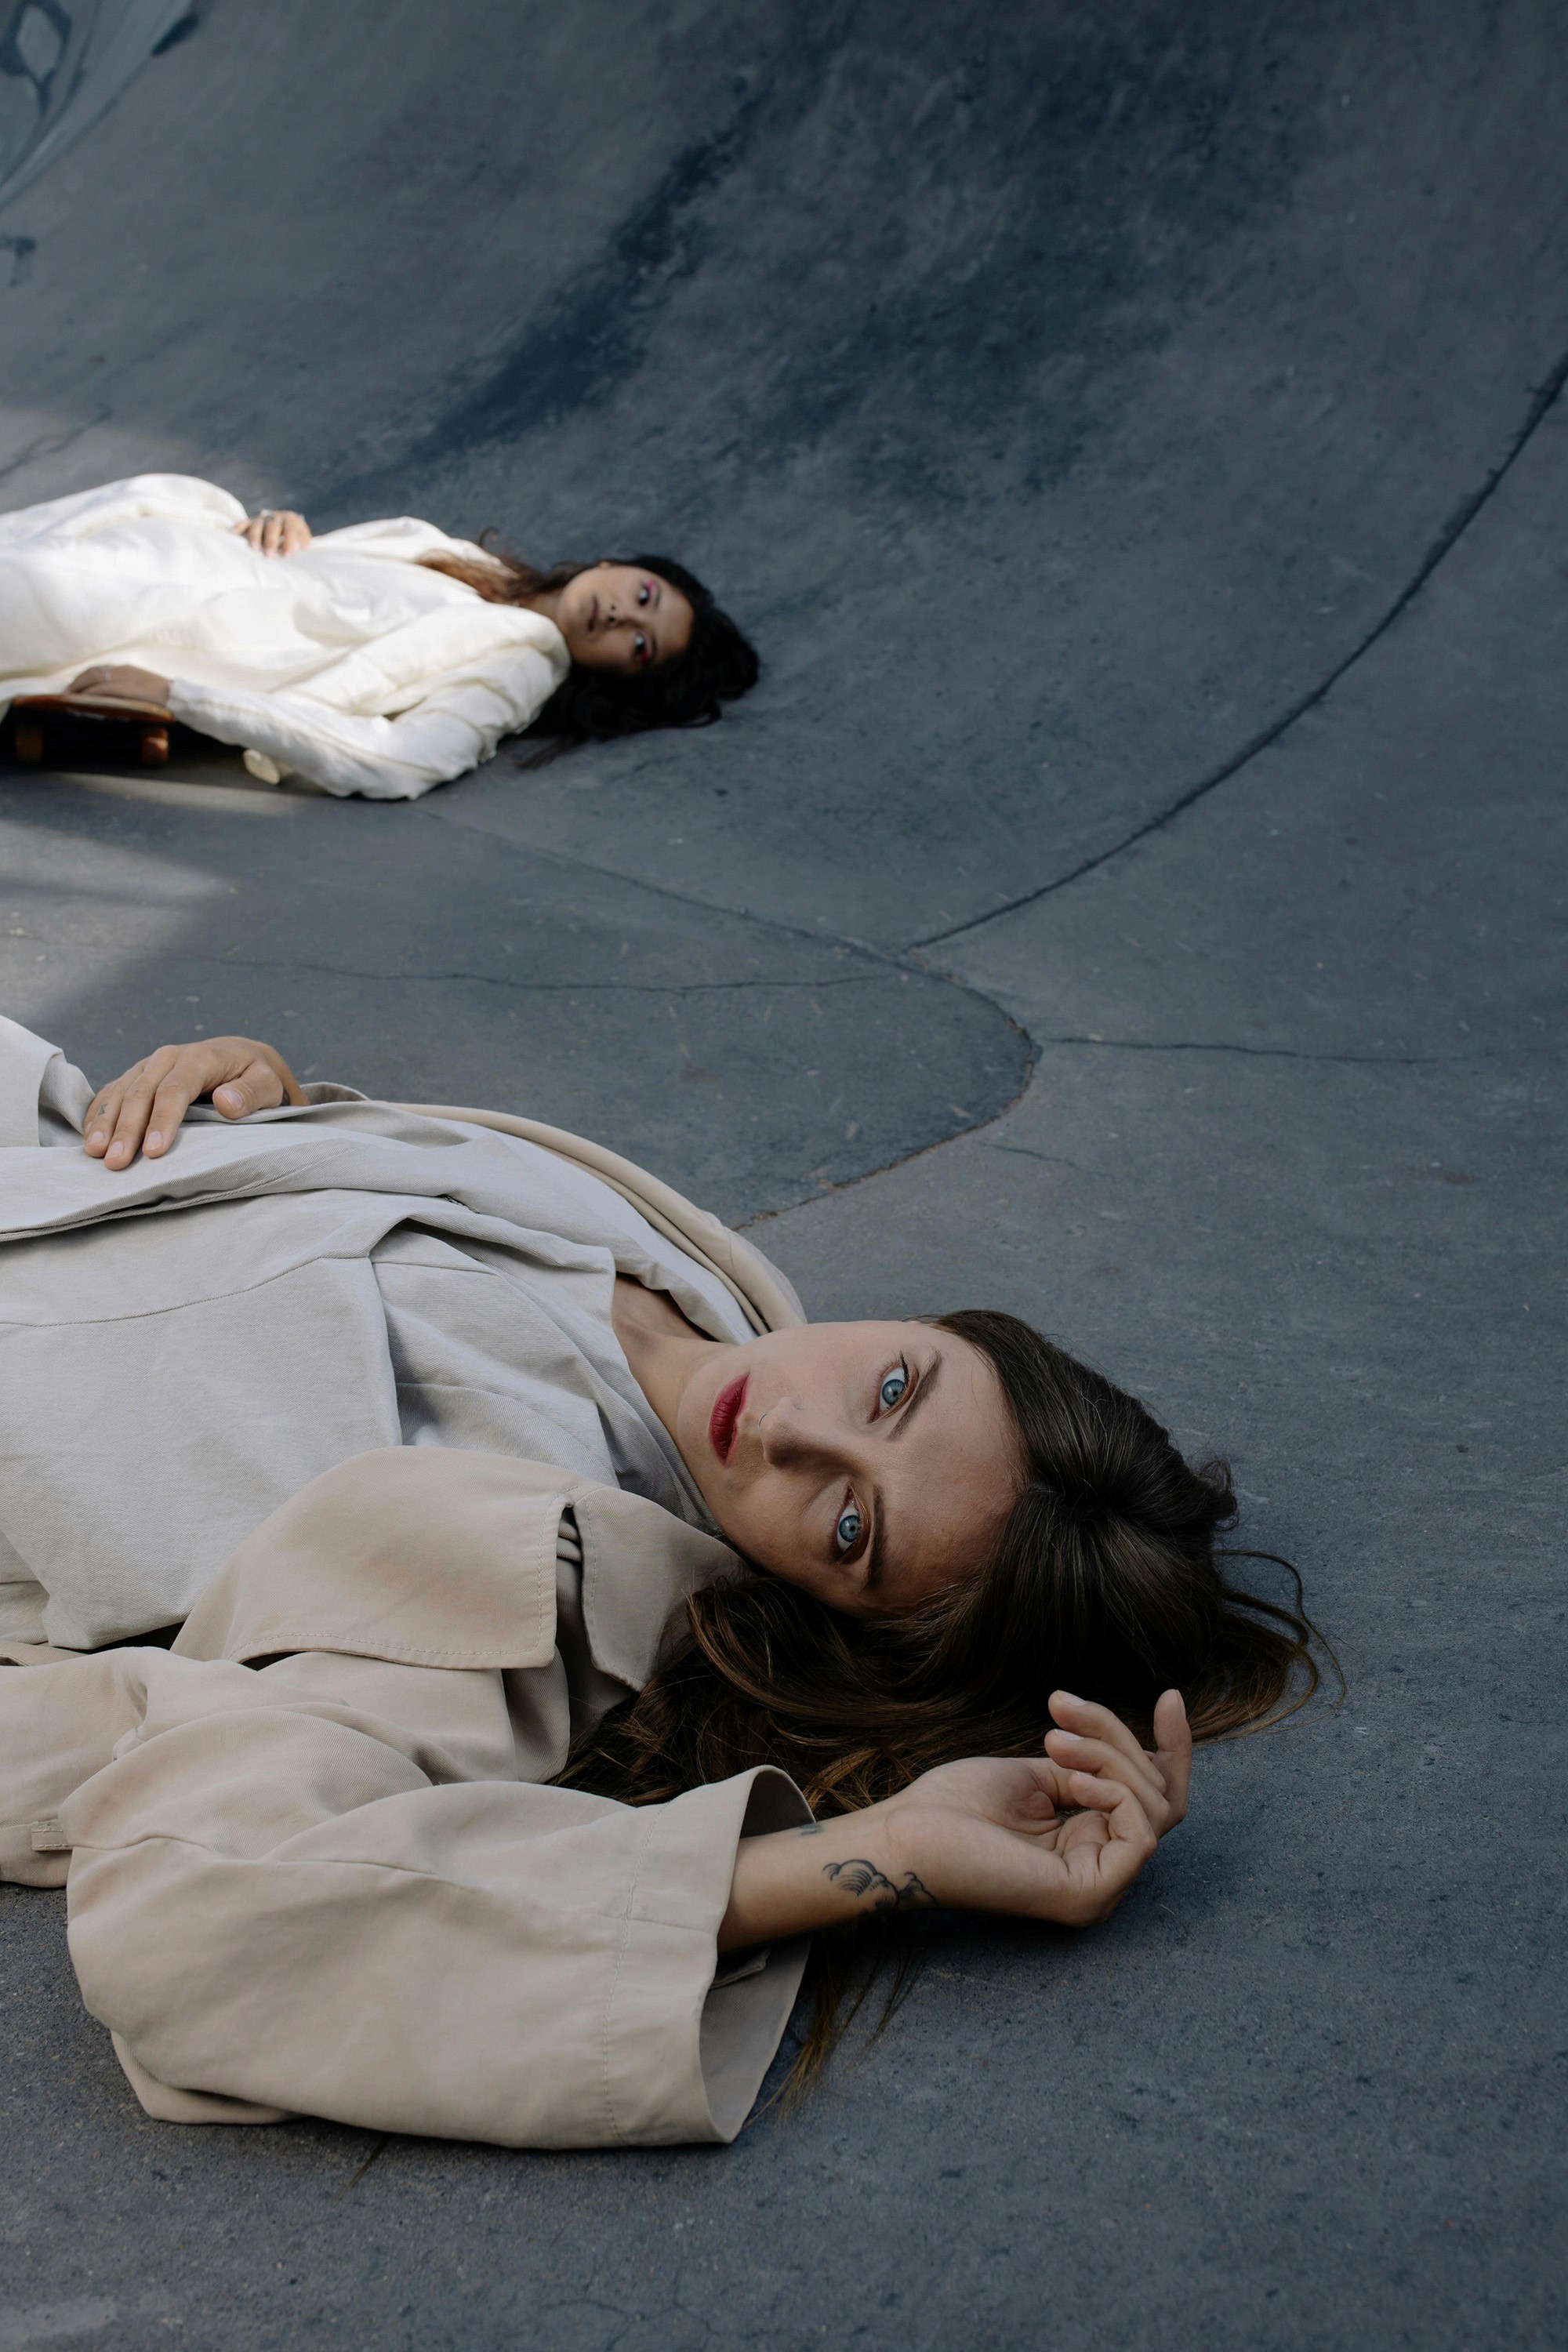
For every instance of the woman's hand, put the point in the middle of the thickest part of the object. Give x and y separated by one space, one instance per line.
1061 1839
276 531
112 683
141 1111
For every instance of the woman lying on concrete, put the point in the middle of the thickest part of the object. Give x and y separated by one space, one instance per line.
572 1573
381 659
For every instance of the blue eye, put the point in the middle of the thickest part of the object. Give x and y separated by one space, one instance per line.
847 1531
892 1391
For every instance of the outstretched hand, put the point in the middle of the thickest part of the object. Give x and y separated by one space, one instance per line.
141 1110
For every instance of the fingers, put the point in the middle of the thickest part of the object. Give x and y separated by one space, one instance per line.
256 1088
100 1117
1092 1760
119 682
1094 1740
153 1099
1173 1749
1090 1736
1103 1851
117 1122
276 531
144 1110
1084 1718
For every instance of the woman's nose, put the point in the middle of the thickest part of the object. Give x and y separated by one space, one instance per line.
792 1432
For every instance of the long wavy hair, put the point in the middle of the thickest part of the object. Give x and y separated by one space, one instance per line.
1108 1580
596 705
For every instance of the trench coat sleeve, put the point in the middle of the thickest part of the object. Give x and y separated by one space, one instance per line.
60 1717
453 728
43 1099
275 1899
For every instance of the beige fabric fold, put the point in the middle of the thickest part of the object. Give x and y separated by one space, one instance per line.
768 1302
310 1864
185 1344
318 1886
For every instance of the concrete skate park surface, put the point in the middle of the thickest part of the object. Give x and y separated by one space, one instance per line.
1134 897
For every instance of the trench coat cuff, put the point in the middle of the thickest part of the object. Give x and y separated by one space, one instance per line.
167 2105
23 1059
727 2033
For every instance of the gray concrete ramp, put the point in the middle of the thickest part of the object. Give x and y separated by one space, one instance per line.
1134 896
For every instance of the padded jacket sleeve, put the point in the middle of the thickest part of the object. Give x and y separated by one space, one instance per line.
454 727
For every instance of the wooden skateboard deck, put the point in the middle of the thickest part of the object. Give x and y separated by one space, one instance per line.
32 712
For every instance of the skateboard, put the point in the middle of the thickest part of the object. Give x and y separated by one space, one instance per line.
32 712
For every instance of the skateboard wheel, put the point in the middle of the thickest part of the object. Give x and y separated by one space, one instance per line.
29 741
155 747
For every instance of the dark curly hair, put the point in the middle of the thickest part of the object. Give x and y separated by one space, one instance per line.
596 705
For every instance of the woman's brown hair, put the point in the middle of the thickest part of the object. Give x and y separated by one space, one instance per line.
596 705
1107 1581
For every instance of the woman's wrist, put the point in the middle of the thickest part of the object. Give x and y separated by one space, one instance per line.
824 1875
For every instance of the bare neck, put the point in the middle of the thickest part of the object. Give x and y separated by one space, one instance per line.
661 1346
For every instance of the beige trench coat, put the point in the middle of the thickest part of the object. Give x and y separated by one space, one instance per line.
309 1864
186 1345
311 1870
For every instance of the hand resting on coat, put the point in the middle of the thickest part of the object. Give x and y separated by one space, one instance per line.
141 1110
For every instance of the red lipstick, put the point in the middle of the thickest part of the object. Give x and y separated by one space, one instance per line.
725 1417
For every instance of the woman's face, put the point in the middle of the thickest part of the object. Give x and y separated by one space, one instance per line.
618 617
872 1464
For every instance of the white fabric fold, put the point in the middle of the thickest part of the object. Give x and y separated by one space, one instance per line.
353 664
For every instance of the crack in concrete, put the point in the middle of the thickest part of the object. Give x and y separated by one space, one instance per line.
569 862
537 987
1545 399
1111 1045
1259 1053
50 445
827 1186
911 957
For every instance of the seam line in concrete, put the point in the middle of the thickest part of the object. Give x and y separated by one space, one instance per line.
541 987
1255 1053
571 862
1448 539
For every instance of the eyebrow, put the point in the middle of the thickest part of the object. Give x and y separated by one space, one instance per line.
923 1388
878 1554
876 1561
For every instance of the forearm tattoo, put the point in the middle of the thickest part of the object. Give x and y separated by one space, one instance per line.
861 1878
